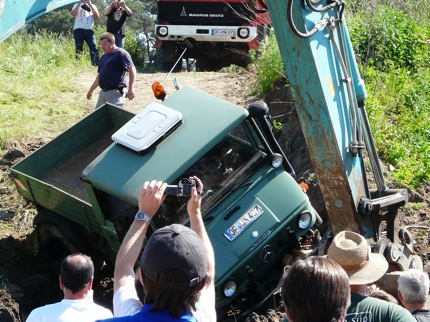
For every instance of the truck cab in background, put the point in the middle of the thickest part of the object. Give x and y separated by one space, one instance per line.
214 33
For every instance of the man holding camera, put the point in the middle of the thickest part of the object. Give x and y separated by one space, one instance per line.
85 12
117 13
177 267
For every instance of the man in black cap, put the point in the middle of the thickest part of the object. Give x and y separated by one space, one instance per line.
177 267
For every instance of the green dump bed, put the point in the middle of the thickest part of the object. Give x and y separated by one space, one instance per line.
51 176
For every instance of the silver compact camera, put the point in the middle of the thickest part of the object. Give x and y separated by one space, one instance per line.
183 189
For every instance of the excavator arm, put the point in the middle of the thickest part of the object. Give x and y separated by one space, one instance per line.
330 98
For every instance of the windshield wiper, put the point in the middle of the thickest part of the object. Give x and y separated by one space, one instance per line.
243 185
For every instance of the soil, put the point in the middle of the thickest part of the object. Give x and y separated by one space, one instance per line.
26 281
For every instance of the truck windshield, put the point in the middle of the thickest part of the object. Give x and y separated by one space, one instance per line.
222 169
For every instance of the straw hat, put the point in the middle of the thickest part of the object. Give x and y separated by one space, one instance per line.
351 251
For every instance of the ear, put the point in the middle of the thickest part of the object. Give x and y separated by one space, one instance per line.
290 319
90 284
141 276
61 282
399 295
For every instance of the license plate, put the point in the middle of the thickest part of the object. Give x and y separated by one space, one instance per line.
223 32
243 222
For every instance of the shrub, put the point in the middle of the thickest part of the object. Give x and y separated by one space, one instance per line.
389 40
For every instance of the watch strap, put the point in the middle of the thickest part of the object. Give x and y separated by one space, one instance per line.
140 215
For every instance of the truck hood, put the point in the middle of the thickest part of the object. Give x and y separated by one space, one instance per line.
205 120
266 211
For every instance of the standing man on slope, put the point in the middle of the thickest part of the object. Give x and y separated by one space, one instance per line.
85 12
117 14
114 65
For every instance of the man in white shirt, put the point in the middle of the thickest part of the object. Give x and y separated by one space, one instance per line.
128 287
76 281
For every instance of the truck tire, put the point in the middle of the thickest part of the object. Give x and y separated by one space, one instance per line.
54 245
58 237
169 57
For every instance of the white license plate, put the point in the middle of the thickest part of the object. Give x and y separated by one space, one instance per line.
243 222
224 32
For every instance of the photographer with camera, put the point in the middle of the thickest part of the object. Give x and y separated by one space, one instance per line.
117 13
177 267
85 12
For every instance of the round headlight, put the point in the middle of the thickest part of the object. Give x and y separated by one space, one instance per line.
276 160
230 288
162 31
243 32
304 220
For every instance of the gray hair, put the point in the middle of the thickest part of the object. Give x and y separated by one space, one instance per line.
414 286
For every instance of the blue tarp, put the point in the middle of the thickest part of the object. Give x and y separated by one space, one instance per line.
14 14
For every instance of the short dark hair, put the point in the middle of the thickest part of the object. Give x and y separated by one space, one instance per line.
77 270
169 292
108 36
316 289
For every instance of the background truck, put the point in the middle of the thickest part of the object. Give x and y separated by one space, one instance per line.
85 185
215 33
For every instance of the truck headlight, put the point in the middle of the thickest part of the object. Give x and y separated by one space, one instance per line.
277 160
243 32
162 31
230 288
304 220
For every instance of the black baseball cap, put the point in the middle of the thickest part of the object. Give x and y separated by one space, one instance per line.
175 247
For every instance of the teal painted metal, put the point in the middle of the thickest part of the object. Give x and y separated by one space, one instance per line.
328 114
14 14
206 119
50 177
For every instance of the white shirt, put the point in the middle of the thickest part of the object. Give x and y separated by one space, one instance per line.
69 311
84 19
126 302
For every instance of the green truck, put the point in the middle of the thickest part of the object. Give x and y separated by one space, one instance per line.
86 183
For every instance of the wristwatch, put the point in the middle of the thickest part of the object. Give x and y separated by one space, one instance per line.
142 216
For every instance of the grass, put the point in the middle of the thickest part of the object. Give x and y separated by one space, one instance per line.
40 94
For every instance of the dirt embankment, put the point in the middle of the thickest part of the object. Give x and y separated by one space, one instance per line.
26 281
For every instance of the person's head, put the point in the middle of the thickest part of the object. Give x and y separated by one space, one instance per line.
351 251
174 269
118 3
383 295
413 287
315 289
107 42
77 272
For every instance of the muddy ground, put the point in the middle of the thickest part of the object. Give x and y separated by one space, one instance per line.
27 282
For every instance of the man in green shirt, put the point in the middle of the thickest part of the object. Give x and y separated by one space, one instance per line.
352 252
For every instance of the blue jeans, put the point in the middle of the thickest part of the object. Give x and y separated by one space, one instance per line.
119 40
86 35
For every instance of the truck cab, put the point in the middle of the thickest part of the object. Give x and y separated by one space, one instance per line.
214 33
254 210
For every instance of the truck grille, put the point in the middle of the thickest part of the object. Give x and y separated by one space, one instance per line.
204 13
